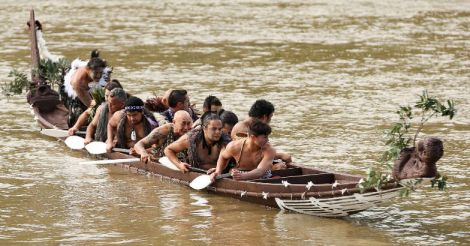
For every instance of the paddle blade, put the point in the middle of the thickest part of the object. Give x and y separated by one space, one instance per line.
167 163
57 133
75 142
200 182
96 148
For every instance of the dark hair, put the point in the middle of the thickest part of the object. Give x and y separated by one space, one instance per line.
208 116
134 102
177 96
211 100
259 128
229 117
261 108
95 61
112 85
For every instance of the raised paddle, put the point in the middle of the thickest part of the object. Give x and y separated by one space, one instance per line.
97 148
203 181
109 161
59 133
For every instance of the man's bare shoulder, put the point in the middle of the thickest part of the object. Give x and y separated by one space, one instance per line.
163 129
116 116
269 149
240 130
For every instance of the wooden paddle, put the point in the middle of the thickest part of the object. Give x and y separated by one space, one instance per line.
203 181
59 133
97 148
198 183
167 163
109 161
75 142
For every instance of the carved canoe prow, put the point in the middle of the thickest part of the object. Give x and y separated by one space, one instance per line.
419 161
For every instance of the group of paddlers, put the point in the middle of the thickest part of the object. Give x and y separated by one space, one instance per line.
169 126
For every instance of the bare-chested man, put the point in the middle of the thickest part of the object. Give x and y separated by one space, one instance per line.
128 126
254 155
203 144
263 111
163 136
97 129
92 72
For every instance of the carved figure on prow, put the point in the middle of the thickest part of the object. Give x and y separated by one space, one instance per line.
419 161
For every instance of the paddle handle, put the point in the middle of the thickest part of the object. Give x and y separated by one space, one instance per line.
80 132
121 150
222 176
109 161
197 170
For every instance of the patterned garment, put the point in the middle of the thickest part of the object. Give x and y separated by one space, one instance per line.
101 132
196 136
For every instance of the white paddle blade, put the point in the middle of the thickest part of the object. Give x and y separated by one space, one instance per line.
75 142
57 133
167 163
109 161
96 148
200 182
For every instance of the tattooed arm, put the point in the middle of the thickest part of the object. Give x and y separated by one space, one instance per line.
155 137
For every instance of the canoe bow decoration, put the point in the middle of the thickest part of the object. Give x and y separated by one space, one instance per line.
298 188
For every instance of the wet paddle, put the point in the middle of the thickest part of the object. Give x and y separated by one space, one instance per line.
59 133
75 142
97 148
167 163
203 181
109 161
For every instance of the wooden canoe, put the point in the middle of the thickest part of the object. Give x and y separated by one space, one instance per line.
298 188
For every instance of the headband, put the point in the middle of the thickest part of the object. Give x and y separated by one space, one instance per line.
134 108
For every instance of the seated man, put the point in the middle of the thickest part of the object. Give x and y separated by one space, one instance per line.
84 118
128 126
254 155
97 129
178 100
261 110
202 144
211 104
229 120
163 136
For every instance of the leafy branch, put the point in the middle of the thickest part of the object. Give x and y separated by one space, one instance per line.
399 137
52 72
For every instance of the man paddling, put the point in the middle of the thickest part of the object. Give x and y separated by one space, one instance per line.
254 155
84 120
202 144
128 126
97 129
163 136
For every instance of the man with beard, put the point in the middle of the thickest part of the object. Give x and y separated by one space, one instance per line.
202 144
128 126
254 155
163 136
